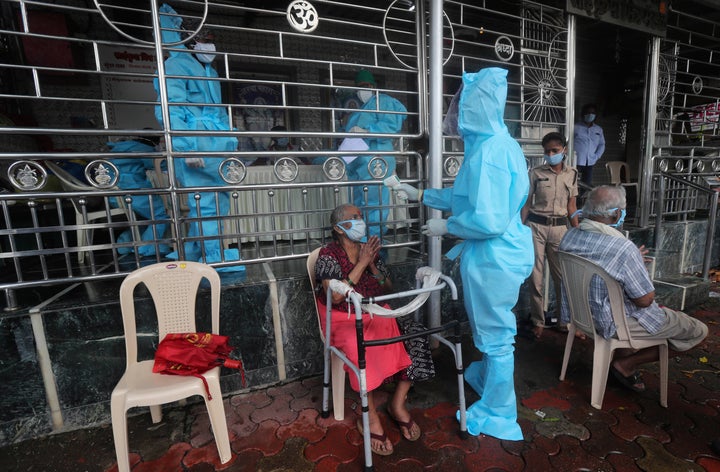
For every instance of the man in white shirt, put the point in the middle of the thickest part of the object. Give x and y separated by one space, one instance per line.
589 143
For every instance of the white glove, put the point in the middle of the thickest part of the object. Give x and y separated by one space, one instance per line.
195 162
357 129
434 227
407 191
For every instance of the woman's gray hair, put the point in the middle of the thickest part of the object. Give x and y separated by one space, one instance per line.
602 199
338 215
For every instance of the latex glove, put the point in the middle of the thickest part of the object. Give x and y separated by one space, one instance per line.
435 227
195 162
408 192
357 129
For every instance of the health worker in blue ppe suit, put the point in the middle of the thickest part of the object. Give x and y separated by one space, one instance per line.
200 115
497 255
132 174
380 113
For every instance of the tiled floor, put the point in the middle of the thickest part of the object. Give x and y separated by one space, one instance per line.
280 428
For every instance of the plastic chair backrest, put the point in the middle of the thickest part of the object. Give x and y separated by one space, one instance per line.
619 172
173 287
578 273
310 264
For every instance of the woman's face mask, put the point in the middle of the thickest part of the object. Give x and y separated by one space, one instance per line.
205 58
554 159
364 95
283 142
357 231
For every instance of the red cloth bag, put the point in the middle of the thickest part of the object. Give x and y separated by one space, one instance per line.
193 354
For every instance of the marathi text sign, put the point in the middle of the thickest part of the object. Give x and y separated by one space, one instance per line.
649 16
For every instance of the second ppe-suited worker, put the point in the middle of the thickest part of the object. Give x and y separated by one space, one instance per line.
380 113
497 254
132 174
199 111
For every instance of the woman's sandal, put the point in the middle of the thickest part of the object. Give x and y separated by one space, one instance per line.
382 438
412 435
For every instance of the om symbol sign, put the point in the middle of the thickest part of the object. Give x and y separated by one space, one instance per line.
302 16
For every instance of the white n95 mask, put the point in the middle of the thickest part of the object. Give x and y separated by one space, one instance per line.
364 95
206 58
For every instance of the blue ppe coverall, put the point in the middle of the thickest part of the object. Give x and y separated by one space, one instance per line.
132 175
372 119
201 115
497 254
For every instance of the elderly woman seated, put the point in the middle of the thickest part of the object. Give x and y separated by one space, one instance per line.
357 262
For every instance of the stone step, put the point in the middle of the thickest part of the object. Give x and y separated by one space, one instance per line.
682 291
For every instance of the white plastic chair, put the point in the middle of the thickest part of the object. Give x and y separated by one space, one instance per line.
70 183
577 273
173 287
337 370
619 172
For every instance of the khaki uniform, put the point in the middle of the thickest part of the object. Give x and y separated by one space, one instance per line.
548 219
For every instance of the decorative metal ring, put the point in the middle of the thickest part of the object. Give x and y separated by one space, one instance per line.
451 166
102 174
679 165
334 168
664 165
715 165
27 175
286 169
378 167
232 171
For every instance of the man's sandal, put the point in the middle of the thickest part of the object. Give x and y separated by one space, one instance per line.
634 381
382 438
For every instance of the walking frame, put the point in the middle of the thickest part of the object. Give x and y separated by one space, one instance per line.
358 301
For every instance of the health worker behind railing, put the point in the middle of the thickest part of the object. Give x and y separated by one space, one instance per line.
133 175
201 115
373 117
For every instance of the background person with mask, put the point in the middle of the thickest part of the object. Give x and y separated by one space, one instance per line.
201 94
133 175
550 205
380 113
497 256
589 143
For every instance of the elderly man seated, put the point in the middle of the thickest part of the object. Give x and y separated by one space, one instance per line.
598 240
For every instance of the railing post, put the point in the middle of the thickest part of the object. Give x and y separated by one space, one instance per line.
659 208
710 235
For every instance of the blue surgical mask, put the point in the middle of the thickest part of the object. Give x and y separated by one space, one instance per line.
622 217
589 118
357 231
555 159
283 142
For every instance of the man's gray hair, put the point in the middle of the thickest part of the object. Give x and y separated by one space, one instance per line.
602 199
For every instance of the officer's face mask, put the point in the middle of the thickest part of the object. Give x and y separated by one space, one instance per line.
555 159
622 217
204 57
357 231
364 95
589 118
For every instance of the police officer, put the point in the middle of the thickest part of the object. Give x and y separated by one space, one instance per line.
550 206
